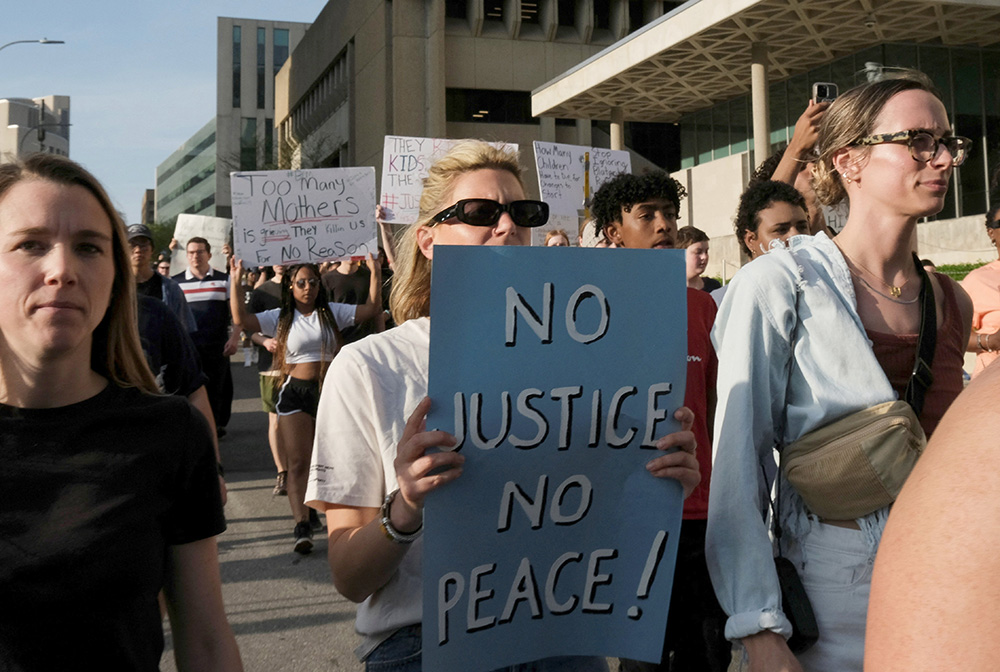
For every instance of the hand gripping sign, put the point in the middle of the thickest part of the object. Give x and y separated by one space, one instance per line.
557 376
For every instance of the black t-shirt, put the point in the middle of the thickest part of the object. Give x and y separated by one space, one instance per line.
169 350
152 288
351 289
265 297
711 284
94 494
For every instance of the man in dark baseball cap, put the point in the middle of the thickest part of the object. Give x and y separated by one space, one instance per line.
154 285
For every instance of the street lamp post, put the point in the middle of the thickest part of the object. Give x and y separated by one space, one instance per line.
44 40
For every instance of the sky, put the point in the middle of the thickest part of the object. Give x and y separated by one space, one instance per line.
140 75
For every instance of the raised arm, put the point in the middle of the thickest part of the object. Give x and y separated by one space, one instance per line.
388 241
241 318
801 145
373 306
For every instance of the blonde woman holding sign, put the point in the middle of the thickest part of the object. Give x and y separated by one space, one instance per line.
370 469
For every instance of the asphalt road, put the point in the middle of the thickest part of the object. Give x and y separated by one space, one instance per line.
281 605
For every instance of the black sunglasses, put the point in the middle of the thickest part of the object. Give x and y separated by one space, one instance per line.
302 282
995 224
487 212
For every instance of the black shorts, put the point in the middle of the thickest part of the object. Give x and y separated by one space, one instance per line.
298 396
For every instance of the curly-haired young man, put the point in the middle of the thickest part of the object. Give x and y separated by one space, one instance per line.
641 211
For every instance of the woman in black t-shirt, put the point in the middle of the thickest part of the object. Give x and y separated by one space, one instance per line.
110 490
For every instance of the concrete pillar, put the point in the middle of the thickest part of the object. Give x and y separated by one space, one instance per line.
548 129
617 128
583 132
759 103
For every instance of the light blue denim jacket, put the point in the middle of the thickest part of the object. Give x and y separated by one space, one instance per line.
834 373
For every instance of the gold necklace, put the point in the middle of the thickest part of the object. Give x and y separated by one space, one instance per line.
893 289
885 296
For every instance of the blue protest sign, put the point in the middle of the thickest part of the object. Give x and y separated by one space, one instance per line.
557 369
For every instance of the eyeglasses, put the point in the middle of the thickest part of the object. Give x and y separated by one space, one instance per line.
302 282
923 145
995 224
487 212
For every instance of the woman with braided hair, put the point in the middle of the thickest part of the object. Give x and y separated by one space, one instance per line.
306 329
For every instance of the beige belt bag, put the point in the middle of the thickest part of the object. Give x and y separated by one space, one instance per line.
858 464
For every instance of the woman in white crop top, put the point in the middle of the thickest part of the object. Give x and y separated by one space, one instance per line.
307 330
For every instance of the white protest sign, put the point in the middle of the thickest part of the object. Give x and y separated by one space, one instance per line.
303 216
213 229
405 162
568 176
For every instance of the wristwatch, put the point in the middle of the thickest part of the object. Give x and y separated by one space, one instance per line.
390 532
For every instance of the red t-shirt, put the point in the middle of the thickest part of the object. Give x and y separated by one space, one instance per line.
702 367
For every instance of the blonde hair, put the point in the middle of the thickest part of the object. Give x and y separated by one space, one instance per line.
411 283
853 116
115 352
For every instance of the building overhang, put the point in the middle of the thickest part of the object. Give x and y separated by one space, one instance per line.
700 53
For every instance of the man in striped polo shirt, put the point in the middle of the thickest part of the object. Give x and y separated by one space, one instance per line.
207 294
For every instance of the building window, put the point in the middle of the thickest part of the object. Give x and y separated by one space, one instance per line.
529 11
567 13
456 9
280 36
602 14
268 144
636 18
493 10
237 41
969 122
248 144
261 80
489 107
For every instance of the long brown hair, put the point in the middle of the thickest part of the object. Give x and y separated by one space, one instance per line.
116 351
327 322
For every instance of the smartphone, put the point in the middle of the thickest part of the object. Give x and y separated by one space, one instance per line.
824 92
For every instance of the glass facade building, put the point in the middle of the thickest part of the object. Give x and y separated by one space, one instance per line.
968 79
185 181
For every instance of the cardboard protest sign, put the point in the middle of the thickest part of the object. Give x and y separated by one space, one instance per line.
303 216
568 176
213 229
405 162
557 376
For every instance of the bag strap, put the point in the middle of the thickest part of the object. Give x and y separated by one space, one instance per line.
779 435
921 377
775 506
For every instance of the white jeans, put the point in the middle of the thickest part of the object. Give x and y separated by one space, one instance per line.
835 564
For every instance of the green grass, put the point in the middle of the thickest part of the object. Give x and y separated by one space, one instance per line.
959 271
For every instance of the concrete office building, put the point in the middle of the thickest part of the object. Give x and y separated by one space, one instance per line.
734 75
195 178
30 125
442 68
148 207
